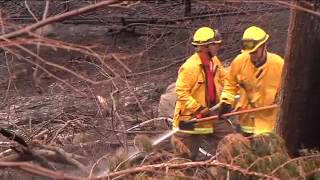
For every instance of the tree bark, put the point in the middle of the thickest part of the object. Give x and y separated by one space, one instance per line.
300 97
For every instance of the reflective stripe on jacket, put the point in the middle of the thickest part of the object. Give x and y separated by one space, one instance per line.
258 87
191 92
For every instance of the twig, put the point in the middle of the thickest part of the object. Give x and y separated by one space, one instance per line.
12 136
45 124
292 160
167 174
62 45
312 172
36 80
115 114
121 63
54 156
92 144
5 153
68 157
182 59
55 65
57 18
30 11
188 165
45 70
24 149
137 132
122 125
40 170
74 47
259 159
59 130
10 78
136 98
148 121
9 71
96 163
5 144
126 160
297 7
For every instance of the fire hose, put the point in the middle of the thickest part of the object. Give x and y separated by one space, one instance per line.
187 124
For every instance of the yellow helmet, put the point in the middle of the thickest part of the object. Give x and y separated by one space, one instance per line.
253 37
206 35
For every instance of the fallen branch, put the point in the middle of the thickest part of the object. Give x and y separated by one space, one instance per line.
68 157
115 57
34 169
12 136
61 129
187 165
97 162
5 153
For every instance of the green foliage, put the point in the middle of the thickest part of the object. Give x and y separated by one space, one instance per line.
266 153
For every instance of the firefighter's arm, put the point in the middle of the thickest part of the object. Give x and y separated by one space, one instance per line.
221 73
280 68
230 88
185 82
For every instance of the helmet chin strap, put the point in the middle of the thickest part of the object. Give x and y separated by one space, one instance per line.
210 54
264 54
262 58
198 49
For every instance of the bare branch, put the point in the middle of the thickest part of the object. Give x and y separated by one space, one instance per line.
68 157
34 169
57 18
187 165
30 11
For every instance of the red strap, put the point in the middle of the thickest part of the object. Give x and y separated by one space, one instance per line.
211 88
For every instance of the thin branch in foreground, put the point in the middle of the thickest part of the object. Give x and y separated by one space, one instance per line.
34 169
187 165
56 18
45 70
68 157
297 7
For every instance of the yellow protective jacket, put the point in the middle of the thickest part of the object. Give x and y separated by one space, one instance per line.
257 86
191 92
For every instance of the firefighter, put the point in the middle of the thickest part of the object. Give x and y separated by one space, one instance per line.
198 88
256 74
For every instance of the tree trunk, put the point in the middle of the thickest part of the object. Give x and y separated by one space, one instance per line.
300 97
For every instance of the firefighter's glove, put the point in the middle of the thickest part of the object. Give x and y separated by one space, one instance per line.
202 112
200 115
223 109
186 125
